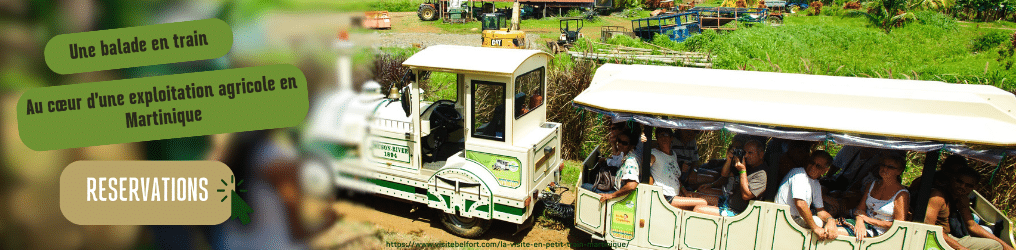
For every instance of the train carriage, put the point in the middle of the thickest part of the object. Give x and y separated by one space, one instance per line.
922 116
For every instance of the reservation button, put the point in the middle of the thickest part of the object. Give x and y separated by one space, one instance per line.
147 192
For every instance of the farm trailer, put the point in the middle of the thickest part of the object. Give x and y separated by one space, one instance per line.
677 26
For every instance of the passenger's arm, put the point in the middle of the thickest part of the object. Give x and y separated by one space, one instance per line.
828 224
745 184
651 178
860 217
962 204
932 208
728 165
901 206
626 188
806 214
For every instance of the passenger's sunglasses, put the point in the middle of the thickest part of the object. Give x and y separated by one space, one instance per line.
888 166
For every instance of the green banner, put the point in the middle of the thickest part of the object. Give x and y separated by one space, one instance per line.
623 213
162 107
931 241
138 46
507 169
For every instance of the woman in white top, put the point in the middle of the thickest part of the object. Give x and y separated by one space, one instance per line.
886 200
665 173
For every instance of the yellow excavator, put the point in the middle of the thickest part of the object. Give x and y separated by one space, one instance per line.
498 34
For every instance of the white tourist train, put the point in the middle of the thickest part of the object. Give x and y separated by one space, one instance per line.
921 116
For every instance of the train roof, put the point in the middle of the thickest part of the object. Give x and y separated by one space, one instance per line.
474 60
908 111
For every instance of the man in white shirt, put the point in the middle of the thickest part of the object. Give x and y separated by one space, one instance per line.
801 191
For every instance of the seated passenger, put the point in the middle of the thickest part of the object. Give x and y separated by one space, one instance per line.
848 177
886 200
702 178
617 129
665 173
612 163
685 146
952 164
747 179
628 176
801 191
955 198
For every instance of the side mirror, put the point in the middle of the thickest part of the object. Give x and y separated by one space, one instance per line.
406 100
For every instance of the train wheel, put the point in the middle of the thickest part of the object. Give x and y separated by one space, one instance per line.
426 13
465 227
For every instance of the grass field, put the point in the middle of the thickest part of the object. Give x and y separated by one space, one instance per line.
934 48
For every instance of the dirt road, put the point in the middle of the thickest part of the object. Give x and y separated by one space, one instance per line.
424 224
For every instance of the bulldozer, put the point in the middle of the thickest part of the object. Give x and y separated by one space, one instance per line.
497 33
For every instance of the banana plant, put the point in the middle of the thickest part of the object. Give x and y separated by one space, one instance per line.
886 14
931 4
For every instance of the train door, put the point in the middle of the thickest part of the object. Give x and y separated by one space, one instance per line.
657 221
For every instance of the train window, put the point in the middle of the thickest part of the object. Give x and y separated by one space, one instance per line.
488 110
529 92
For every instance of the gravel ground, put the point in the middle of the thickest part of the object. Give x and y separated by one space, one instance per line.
391 39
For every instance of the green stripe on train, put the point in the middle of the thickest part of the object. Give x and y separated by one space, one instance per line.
446 199
509 209
393 185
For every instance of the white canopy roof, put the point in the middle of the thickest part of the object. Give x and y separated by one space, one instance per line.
915 110
477 60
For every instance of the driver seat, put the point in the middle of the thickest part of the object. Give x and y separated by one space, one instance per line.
440 142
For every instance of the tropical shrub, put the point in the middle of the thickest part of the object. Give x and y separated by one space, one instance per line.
886 14
988 40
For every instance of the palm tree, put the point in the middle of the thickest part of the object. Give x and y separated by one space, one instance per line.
886 14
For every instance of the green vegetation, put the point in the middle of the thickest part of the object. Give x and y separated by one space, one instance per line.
394 5
988 40
886 14
570 174
934 48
